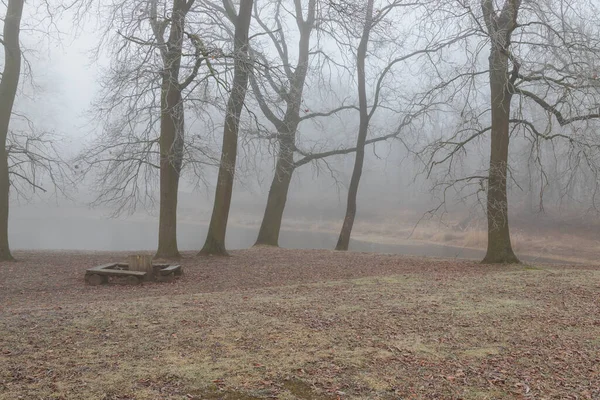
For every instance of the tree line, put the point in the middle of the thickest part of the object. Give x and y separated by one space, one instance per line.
439 77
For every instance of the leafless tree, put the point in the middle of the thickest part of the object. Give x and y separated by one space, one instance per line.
289 89
541 55
215 240
361 54
278 86
29 158
367 111
393 52
164 61
8 90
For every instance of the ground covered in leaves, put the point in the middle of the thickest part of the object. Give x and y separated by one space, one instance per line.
300 324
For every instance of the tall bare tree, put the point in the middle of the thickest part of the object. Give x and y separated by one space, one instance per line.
500 27
171 123
377 32
288 125
278 87
215 240
8 90
361 55
165 62
541 55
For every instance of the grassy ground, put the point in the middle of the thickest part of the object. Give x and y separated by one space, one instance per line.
294 324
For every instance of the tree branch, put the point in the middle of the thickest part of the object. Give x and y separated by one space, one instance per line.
554 111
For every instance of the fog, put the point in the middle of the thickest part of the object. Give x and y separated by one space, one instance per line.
56 222
396 190
389 198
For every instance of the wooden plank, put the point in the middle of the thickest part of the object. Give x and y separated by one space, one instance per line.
115 272
103 266
169 269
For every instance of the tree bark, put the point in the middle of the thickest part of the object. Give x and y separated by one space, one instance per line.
170 167
268 234
361 54
499 249
8 92
215 239
171 136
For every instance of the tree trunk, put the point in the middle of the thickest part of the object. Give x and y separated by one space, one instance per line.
271 223
361 54
8 91
171 136
344 238
268 234
170 167
215 239
142 263
499 249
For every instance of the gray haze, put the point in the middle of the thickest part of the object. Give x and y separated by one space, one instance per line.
59 98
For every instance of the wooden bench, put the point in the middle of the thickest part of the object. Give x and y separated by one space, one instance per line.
159 272
98 275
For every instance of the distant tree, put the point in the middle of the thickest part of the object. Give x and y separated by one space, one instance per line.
278 87
215 240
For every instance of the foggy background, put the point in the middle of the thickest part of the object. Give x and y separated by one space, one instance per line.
59 95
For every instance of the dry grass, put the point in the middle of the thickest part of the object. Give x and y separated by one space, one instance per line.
550 242
566 236
284 324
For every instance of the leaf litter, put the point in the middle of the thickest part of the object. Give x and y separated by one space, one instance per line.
300 324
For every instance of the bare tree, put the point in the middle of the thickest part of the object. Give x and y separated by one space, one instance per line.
500 28
291 93
162 65
361 54
171 123
377 32
30 159
541 55
8 90
215 240
278 87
